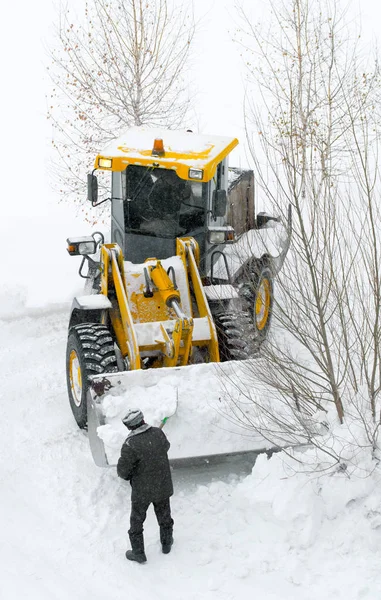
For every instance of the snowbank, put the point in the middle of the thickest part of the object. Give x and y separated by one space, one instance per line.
281 534
38 271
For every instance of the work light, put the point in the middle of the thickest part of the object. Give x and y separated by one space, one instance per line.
105 163
195 174
81 245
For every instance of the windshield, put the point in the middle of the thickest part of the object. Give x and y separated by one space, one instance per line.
157 202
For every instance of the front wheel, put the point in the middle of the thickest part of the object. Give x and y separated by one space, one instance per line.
90 351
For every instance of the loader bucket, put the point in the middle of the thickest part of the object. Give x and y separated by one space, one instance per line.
190 400
95 419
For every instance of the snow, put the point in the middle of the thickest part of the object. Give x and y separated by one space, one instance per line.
233 176
254 243
96 301
80 239
148 333
220 292
137 143
195 394
275 533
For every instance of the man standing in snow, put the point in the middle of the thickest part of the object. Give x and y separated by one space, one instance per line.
144 463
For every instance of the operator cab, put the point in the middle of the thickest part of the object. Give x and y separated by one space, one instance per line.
157 202
164 185
151 207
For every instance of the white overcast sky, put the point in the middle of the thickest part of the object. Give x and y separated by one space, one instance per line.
25 134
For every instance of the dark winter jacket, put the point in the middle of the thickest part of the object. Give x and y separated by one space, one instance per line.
144 463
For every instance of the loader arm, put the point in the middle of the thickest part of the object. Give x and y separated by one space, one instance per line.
152 322
188 251
121 318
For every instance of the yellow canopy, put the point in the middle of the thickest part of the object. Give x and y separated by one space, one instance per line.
183 151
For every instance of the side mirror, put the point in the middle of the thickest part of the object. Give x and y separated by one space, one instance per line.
263 219
219 203
92 188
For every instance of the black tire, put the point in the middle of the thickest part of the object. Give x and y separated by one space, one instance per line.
241 332
259 295
231 329
90 351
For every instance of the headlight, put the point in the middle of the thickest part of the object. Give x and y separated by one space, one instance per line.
83 246
221 235
105 163
216 237
86 248
195 173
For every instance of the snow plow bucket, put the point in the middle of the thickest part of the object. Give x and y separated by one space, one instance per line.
190 402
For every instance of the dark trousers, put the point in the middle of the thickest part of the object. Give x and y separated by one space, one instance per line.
138 516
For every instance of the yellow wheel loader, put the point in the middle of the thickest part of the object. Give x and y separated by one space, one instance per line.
187 278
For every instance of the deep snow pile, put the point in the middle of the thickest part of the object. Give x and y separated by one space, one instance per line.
322 535
212 409
277 534
196 398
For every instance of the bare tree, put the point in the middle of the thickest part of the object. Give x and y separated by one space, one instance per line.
313 130
124 65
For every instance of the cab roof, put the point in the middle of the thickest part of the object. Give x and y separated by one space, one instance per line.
182 151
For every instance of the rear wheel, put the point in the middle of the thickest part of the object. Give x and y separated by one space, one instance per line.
234 336
259 294
90 351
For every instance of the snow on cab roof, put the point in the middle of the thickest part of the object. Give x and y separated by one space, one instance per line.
182 151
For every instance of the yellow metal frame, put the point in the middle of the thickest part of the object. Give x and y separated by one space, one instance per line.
189 252
112 266
176 348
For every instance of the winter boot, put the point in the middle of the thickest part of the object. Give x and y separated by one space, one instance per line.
166 548
137 553
137 557
166 539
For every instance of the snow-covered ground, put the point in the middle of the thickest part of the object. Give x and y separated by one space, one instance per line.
273 534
